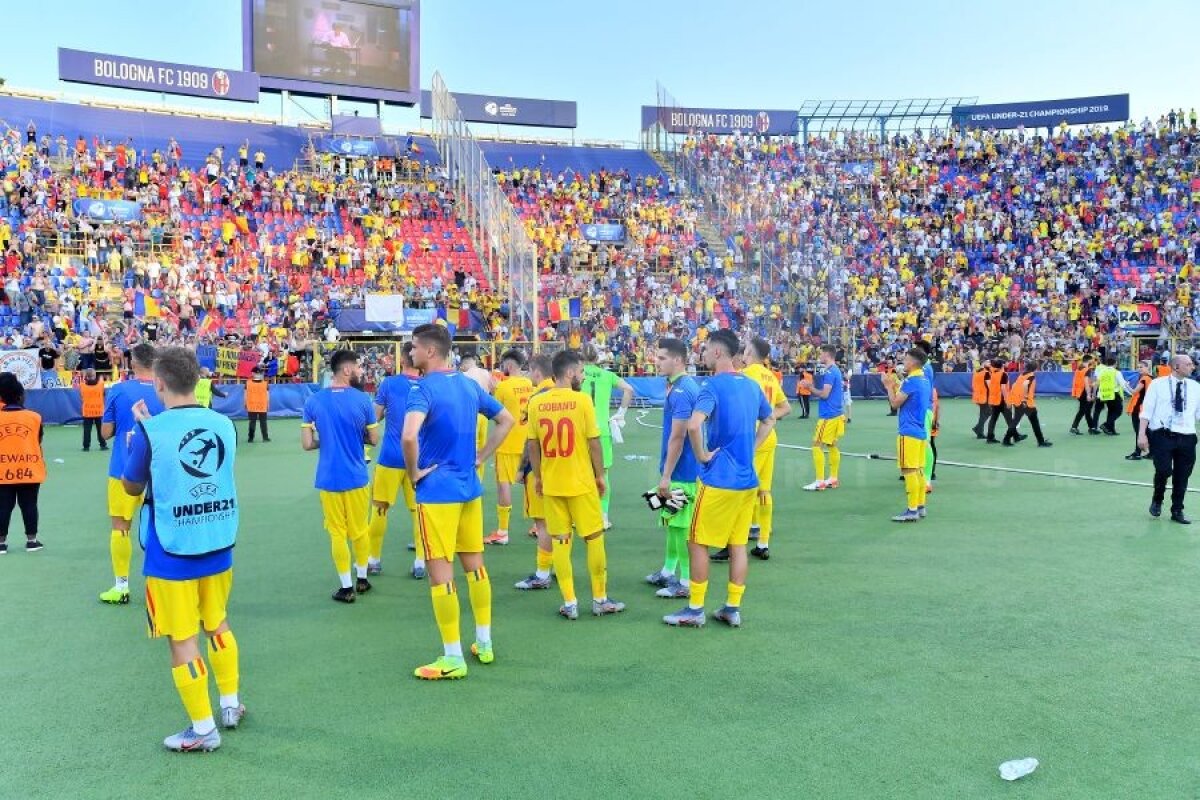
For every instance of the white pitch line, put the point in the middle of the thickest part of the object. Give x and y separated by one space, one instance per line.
965 465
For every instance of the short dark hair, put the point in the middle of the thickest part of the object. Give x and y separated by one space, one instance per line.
178 368
675 347
143 355
514 355
433 335
917 354
830 349
760 346
924 345
406 354
565 360
341 358
12 391
543 364
589 353
727 339
1111 361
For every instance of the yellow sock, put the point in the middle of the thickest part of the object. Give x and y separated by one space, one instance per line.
597 560
819 462
223 655
376 532
420 545
362 548
835 462
566 573
503 513
735 595
479 589
912 486
191 681
445 611
544 560
764 517
341 553
120 547
696 596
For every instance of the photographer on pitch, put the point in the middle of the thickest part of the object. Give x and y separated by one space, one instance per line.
1168 431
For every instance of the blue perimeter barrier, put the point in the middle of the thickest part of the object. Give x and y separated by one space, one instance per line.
866 387
64 406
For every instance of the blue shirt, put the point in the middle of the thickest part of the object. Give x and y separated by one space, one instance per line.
119 411
832 406
451 403
734 405
158 563
682 394
393 396
341 416
911 417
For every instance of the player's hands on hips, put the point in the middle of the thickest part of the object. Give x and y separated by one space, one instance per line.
708 456
421 473
140 411
601 485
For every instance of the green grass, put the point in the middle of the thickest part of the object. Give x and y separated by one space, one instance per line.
1028 615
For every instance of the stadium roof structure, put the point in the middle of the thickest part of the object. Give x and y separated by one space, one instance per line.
887 116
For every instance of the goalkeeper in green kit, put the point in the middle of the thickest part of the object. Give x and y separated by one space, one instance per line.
676 490
598 384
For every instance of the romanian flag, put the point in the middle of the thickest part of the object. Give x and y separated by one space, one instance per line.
145 306
208 323
557 310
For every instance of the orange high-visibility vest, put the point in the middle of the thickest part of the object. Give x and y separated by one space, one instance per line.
93 399
257 400
1079 382
21 458
979 387
995 396
801 389
1139 394
1023 391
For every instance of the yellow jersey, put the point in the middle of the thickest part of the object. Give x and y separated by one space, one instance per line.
514 393
771 388
561 423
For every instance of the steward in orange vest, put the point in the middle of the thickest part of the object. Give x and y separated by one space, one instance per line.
91 395
1134 407
979 398
804 391
258 403
1023 399
22 465
996 381
1083 389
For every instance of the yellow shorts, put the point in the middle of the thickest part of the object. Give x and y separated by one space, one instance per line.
387 485
121 503
722 517
829 431
582 512
910 452
507 465
345 512
449 528
764 467
176 609
535 506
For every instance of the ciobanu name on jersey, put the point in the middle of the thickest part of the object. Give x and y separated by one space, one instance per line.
192 492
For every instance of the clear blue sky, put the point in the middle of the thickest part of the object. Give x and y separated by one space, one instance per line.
755 54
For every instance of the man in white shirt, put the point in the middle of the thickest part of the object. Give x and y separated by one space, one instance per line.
1168 430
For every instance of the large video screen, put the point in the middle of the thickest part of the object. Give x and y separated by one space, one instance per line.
353 48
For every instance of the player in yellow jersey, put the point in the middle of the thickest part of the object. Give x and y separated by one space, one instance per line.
513 392
754 356
469 365
568 469
541 373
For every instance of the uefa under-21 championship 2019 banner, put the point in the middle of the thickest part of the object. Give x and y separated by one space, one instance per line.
1045 113
106 69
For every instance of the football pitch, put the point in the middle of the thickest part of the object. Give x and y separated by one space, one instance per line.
1029 615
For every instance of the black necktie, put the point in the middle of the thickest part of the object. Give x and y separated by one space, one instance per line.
1179 397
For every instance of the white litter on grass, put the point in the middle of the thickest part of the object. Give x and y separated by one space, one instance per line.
637 458
1012 770
59 461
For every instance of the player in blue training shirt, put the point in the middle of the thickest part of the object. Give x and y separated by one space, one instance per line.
913 400
117 422
829 389
731 419
442 461
678 468
338 421
390 479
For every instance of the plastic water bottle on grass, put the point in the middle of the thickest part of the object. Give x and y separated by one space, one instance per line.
1012 770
